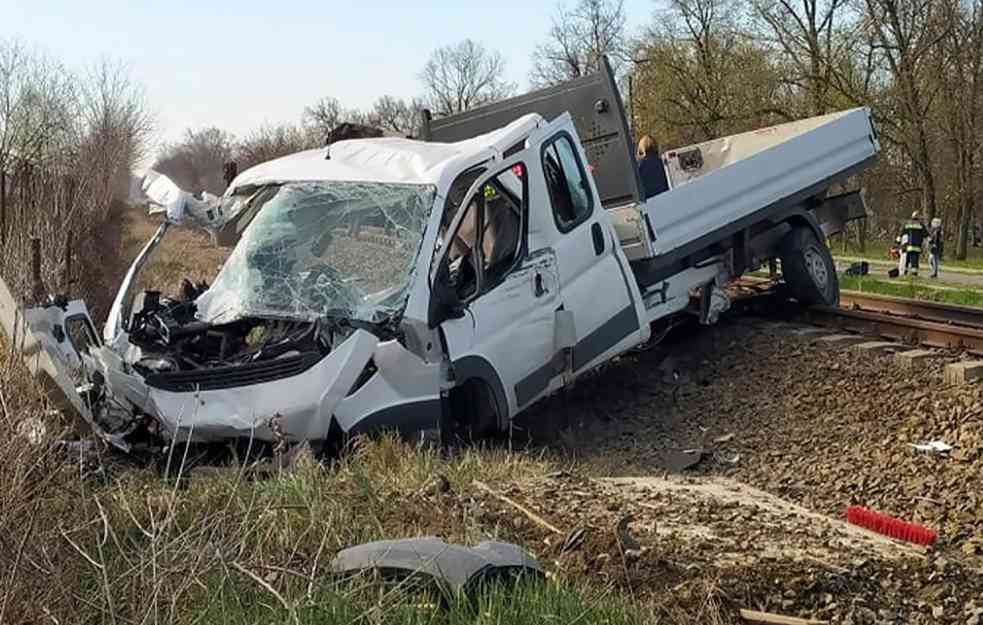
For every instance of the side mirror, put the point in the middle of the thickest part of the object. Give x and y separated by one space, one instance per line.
444 301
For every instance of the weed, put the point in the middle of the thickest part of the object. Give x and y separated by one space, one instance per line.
913 288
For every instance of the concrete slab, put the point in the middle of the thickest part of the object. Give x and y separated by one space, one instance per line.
913 358
774 325
875 347
808 330
964 372
842 339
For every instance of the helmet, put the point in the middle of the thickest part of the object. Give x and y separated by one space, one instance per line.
914 215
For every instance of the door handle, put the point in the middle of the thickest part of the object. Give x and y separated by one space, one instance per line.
538 289
598 235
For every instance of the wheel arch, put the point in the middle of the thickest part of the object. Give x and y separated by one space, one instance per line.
476 369
804 219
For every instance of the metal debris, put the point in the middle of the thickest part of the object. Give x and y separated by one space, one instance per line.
458 567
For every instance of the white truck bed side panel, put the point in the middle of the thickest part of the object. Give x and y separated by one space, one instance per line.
727 195
720 153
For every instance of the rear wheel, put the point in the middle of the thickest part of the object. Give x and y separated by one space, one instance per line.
808 268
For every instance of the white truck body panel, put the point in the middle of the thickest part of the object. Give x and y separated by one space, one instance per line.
686 164
755 169
781 165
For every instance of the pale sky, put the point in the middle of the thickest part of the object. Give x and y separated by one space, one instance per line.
241 63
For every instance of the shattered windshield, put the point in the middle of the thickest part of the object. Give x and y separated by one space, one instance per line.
324 248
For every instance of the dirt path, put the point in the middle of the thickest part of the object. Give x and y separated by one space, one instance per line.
879 269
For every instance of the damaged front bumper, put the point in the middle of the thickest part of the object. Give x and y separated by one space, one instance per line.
364 384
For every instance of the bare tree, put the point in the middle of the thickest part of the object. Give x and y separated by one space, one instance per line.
197 162
322 117
464 75
908 33
702 77
959 75
68 144
812 37
37 100
119 126
327 114
578 38
396 114
270 142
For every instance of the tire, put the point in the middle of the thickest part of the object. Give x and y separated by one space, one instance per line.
473 412
808 268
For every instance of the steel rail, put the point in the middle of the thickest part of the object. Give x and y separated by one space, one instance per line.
899 328
913 309
914 322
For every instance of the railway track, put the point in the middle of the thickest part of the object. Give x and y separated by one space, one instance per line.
913 322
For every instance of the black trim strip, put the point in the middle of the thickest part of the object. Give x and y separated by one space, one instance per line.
533 384
404 418
609 334
234 376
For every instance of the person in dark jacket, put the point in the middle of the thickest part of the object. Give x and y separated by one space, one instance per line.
935 244
915 232
651 171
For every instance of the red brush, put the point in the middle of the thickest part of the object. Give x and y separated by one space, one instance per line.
889 526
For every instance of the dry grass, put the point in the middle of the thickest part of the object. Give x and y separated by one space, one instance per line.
226 548
103 541
184 253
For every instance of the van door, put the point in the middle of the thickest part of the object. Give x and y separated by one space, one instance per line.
509 293
50 338
66 330
596 282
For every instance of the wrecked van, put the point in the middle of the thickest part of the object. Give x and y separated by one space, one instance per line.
445 283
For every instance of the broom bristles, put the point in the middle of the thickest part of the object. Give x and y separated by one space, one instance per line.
890 526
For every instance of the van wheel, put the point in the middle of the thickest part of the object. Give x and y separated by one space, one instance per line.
808 268
473 414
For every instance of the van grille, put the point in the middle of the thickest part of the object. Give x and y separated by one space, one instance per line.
234 376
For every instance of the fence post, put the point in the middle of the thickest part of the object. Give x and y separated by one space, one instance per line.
3 207
37 285
66 279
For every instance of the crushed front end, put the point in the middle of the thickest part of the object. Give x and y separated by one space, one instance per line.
299 337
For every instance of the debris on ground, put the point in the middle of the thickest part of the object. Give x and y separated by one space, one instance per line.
450 566
889 526
677 534
934 446
837 437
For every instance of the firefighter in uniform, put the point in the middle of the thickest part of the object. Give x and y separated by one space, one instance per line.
915 232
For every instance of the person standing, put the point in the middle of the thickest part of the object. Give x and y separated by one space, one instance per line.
935 243
651 171
915 232
901 241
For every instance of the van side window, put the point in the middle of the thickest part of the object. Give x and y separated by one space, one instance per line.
567 183
488 242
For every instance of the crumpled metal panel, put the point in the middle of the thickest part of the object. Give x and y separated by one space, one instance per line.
458 566
302 405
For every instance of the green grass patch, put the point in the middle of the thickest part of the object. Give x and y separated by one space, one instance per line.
912 288
239 600
226 548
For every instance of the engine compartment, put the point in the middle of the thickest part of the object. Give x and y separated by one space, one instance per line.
176 346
